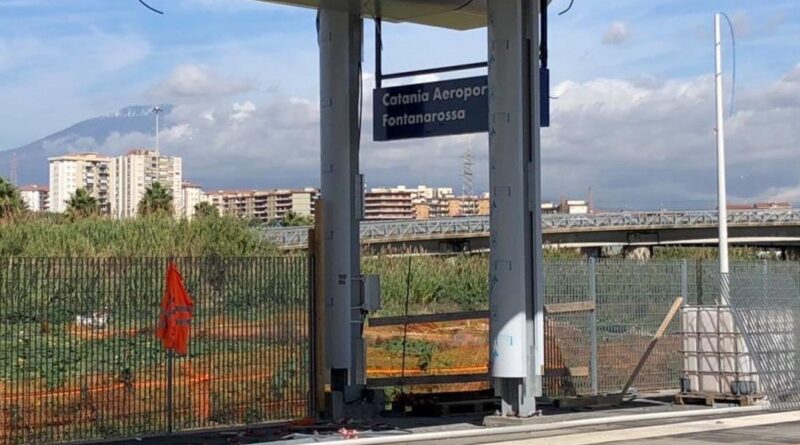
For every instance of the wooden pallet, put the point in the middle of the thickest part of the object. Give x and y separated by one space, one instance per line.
462 407
710 399
451 404
598 401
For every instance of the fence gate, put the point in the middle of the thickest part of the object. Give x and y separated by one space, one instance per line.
80 359
600 317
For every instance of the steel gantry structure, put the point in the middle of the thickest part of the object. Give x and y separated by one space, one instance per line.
515 61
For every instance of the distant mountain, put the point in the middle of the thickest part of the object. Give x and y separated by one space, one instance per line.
88 135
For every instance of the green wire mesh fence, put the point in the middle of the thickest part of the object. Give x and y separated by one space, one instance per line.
80 360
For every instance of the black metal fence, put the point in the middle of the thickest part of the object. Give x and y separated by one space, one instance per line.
79 358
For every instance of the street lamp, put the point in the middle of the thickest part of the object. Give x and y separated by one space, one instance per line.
722 206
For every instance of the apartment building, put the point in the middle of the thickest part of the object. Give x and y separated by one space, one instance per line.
760 206
389 203
469 206
192 194
36 197
90 171
484 205
574 207
421 202
138 170
430 193
264 205
432 209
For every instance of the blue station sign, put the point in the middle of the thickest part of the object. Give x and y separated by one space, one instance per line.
442 108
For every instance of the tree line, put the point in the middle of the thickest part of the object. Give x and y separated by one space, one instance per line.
156 202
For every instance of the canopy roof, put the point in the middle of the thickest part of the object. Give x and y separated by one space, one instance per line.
453 14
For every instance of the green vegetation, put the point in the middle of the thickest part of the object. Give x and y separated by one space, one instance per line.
157 201
55 236
11 203
205 210
294 220
437 283
423 351
704 253
82 205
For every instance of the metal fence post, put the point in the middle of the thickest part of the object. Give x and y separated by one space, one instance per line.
170 404
699 277
311 260
685 281
593 324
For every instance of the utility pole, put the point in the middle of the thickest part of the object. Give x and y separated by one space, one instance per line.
157 111
721 186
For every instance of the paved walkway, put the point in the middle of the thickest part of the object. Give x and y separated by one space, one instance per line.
785 433
780 428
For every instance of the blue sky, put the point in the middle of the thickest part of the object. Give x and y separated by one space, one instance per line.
62 61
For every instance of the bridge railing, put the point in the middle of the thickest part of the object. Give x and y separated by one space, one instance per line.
431 228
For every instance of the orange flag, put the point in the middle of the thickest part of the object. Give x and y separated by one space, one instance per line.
175 321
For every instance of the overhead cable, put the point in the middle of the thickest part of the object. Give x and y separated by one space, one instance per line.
151 8
571 2
733 58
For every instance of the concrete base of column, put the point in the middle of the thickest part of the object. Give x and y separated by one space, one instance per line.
515 400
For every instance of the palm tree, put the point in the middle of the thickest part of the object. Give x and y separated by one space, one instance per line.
82 205
292 219
205 210
11 203
157 200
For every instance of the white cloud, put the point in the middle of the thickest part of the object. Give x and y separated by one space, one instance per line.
243 111
741 24
15 53
636 143
781 194
616 34
226 5
115 52
197 81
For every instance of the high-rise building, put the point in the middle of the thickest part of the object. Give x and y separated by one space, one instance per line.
36 197
431 209
89 171
264 205
192 194
428 193
389 203
138 170
431 202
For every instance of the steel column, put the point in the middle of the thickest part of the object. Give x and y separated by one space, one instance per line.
340 46
515 285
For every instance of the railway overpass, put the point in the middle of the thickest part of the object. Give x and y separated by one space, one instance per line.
763 228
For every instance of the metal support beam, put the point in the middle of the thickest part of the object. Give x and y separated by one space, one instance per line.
340 46
515 286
